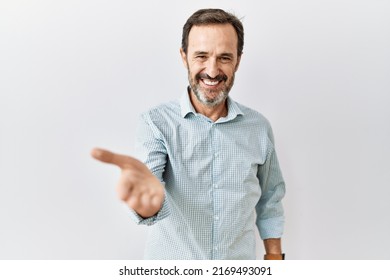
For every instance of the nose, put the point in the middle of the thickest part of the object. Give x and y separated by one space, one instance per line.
212 68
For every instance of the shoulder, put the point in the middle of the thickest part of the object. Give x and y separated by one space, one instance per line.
163 112
252 116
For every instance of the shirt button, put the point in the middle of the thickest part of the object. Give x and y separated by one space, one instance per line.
215 186
216 218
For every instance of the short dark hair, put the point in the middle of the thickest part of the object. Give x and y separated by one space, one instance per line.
213 16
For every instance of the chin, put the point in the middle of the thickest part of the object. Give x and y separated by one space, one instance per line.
211 102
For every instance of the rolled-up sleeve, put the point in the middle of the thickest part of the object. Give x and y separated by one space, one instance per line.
269 209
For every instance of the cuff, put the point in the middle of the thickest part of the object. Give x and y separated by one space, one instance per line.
271 228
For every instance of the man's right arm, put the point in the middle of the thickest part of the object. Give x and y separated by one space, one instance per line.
140 185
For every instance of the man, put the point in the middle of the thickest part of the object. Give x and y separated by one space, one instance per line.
211 172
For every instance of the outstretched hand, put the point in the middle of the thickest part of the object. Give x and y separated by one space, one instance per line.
137 186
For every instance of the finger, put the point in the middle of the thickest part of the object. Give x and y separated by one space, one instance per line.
142 202
139 198
109 157
134 202
156 201
145 200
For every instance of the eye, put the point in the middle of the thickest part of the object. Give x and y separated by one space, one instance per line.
225 59
201 57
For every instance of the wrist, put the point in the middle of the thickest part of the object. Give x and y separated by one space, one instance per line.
274 256
273 246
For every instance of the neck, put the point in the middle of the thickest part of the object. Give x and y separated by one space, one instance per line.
212 112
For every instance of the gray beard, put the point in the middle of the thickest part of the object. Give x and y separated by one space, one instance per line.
220 98
202 97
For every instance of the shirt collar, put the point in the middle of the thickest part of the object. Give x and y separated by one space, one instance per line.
186 105
187 108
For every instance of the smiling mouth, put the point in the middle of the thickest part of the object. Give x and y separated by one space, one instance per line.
211 83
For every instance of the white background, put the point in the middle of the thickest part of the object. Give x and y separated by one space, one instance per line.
76 74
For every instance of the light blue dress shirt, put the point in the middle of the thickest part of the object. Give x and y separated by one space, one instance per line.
222 179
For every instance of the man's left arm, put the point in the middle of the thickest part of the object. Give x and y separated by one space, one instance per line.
270 214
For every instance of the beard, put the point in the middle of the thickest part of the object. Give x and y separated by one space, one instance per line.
210 97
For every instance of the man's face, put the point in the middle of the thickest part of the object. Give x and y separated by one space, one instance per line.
211 61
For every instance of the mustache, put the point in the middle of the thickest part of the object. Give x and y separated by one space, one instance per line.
217 78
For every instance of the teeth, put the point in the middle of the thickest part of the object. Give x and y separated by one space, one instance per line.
210 82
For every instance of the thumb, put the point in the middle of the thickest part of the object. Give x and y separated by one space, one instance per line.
112 158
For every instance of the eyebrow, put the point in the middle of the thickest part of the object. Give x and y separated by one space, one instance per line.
200 53
223 54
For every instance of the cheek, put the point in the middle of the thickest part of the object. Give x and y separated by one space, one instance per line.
229 73
198 69
193 70
228 69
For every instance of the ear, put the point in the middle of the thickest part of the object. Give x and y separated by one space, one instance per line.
238 63
184 58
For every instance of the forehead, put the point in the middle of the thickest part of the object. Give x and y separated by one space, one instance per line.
211 38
